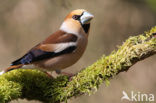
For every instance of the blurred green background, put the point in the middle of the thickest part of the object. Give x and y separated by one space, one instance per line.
24 23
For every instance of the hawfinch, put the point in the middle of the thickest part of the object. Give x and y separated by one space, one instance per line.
61 49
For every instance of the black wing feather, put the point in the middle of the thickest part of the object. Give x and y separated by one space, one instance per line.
37 55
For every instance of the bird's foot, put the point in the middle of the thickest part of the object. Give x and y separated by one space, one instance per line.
48 74
70 75
67 74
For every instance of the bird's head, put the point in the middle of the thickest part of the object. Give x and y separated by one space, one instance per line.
77 21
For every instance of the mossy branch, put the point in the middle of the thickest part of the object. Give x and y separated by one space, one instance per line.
35 85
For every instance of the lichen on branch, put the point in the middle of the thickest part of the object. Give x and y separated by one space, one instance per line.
36 85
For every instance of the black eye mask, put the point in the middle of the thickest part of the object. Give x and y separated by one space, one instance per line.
76 17
85 26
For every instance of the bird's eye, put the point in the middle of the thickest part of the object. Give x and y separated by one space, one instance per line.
76 17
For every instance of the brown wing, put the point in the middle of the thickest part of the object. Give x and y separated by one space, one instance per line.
60 37
57 44
54 41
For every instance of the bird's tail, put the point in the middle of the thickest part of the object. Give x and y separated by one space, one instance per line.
11 68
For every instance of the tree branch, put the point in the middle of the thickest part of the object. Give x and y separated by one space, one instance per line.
35 85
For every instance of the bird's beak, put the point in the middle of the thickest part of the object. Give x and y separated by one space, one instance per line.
86 17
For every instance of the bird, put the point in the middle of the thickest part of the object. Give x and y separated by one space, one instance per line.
61 49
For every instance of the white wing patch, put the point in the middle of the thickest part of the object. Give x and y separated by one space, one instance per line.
62 46
57 47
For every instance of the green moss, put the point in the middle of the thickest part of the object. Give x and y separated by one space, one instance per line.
34 84
30 84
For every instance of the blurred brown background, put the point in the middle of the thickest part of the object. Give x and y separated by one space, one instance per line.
24 23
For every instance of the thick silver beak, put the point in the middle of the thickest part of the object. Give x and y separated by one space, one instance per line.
86 17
